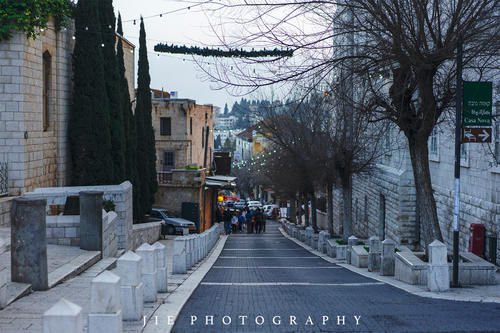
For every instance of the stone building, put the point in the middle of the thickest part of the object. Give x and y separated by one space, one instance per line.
35 101
384 201
181 127
244 146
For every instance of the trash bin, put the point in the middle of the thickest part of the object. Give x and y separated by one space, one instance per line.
476 241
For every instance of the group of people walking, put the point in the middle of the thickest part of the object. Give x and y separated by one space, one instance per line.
242 220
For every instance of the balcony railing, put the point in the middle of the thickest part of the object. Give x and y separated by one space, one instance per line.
4 179
164 177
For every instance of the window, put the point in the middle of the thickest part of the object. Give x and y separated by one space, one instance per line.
165 126
203 137
47 64
191 125
434 144
168 160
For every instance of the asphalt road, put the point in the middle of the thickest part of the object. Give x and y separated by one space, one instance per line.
267 283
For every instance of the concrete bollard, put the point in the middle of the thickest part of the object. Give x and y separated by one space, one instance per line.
180 255
161 267
63 317
91 220
387 260
374 254
149 271
322 238
351 241
129 268
309 235
28 253
3 286
438 275
105 306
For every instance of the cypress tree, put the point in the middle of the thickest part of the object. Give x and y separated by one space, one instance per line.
129 119
146 152
112 79
89 121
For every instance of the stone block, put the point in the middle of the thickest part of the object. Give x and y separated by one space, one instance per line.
150 286
180 255
437 253
3 287
63 317
341 252
105 322
438 278
129 269
91 220
387 258
374 254
148 255
359 256
132 298
330 248
105 293
351 241
29 243
162 280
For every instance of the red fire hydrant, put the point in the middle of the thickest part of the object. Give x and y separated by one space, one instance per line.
476 241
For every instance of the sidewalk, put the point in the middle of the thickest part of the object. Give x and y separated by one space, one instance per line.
489 294
25 314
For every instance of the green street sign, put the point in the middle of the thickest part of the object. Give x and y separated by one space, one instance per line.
477 103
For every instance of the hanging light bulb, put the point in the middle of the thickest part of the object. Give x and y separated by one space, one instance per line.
74 37
134 22
102 45
86 28
161 15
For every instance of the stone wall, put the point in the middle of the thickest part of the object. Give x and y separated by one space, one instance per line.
146 233
121 195
36 156
172 197
63 230
5 206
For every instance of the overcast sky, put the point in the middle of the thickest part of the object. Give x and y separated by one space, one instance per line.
168 71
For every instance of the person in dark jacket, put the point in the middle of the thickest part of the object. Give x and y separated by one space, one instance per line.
227 216
259 217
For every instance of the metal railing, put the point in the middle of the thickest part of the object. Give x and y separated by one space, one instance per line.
164 177
4 179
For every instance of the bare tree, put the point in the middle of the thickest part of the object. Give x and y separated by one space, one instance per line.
404 50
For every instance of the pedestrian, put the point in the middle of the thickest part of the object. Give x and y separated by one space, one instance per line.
234 221
258 220
249 217
227 221
219 215
241 220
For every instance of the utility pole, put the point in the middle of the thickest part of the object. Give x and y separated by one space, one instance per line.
458 139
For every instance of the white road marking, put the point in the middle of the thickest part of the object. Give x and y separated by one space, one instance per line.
223 257
297 249
291 284
277 267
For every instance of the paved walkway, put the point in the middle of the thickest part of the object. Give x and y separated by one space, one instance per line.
270 283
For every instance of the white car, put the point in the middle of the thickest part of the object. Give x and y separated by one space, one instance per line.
268 210
254 205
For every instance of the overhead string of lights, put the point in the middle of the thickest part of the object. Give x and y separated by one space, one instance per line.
135 20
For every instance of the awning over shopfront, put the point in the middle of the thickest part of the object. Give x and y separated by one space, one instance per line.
224 182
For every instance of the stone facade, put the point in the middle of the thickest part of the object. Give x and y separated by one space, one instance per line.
5 205
384 200
186 135
35 101
35 149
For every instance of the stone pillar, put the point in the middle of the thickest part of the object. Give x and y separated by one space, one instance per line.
438 275
351 241
105 306
374 254
161 267
323 237
309 235
63 317
387 261
28 253
180 255
91 220
129 268
149 271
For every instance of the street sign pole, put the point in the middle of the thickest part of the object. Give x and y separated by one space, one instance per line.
458 138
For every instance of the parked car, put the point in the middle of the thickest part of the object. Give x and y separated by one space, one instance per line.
173 223
240 204
271 211
254 205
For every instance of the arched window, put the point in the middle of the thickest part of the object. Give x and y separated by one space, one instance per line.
47 69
